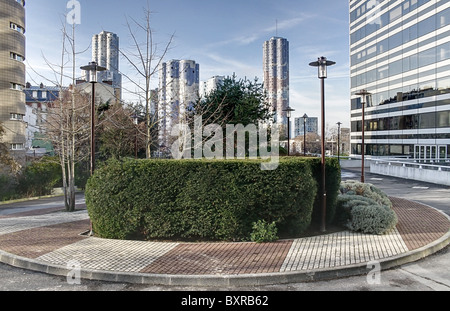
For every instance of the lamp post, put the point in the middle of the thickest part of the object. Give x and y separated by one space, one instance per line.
93 68
322 64
288 111
136 123
363 94
305 117
339 142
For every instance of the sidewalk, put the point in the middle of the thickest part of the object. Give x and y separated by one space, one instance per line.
50 241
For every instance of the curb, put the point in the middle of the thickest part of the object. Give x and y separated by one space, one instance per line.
31 199
227 280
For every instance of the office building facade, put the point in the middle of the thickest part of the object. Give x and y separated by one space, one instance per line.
12 77
400 54
179 82
311 126
276 76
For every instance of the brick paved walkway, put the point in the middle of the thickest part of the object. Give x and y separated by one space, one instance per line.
55 239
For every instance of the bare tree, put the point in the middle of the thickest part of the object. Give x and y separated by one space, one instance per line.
67 125
145 58
6 160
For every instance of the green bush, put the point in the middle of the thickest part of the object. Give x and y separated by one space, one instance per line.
366 190
373 219
39 178
8 185
217 200
365 208
264 232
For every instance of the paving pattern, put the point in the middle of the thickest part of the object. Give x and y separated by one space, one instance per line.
341 249
55 238
418 224
111 255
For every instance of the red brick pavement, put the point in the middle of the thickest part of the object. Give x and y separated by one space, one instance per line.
222 258
36 242
418 224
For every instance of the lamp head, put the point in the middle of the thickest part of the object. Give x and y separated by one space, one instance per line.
322 64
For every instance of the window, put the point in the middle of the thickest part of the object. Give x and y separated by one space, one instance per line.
16 86
427 57
426 26
17 147
16 116
16 56
17 27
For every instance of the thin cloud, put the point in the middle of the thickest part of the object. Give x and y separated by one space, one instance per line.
257 35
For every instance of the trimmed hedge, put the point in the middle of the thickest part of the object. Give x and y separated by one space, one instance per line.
218 200
332 185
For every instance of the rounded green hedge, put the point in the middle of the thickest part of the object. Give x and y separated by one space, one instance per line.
208 199
364 208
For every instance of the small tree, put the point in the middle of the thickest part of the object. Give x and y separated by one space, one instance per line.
119 134
235 101
144 58
6 159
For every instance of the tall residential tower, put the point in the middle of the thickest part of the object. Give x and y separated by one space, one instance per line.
12 74
178 90
276 76
400 53
105 51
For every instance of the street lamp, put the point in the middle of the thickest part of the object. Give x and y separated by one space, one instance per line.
288 111
363 94
136 123
93 68
339 141
322 64
305 117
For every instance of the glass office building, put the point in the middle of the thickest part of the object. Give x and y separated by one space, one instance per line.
400 54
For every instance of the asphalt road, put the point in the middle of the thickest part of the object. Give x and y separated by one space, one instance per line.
428 274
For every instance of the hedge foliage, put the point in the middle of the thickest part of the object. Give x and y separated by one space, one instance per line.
332 185
363 207
218 200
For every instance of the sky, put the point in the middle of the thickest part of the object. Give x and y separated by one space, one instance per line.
224 37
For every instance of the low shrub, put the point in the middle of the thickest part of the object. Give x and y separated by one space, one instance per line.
8 185
39 178
218 200
264 232
364 208
373 219
366 190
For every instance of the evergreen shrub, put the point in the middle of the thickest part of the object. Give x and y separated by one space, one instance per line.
200 199
364 208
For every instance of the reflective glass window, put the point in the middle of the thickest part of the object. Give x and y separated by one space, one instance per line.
396 67
443 119
426 26
443 52
427 57
443 18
